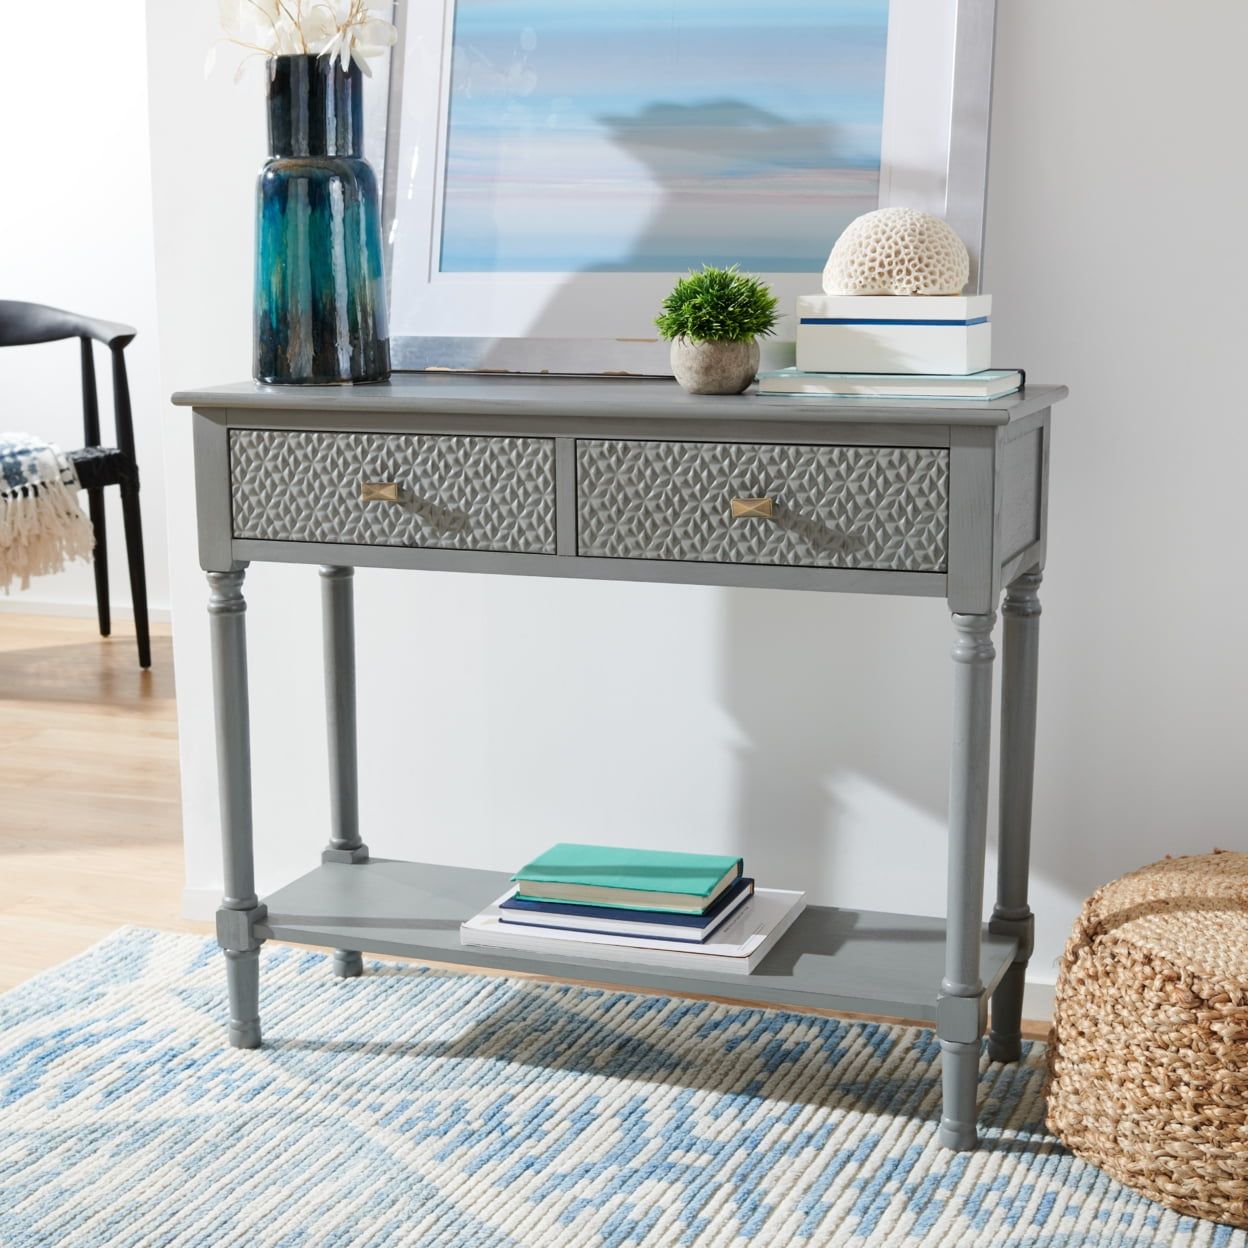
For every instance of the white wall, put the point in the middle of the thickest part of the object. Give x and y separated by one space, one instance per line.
808 732
75 232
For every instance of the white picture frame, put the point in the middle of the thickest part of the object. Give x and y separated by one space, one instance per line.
934 156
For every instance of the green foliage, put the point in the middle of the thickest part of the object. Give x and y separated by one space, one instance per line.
718 305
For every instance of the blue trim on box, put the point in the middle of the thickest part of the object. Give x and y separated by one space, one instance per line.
884 320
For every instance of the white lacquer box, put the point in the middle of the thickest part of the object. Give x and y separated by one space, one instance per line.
894 333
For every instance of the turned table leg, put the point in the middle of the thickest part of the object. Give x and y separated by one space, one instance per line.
240 908
961 1007
345 845
1011 916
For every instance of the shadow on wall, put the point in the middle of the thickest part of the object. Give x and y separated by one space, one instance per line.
841 720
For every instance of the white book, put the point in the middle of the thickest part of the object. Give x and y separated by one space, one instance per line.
993 383
738 947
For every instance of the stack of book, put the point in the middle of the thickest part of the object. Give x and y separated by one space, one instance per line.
894 346
648 907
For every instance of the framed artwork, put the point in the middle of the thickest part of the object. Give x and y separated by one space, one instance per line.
552 166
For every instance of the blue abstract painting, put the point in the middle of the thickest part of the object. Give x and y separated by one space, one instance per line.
655 135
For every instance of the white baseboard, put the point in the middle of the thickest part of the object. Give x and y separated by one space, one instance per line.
26 605
201 904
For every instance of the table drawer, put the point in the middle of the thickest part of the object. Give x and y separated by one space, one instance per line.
833 506
455 493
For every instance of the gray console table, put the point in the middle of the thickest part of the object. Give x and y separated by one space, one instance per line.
634 480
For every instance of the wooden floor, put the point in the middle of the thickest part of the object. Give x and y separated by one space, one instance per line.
90 815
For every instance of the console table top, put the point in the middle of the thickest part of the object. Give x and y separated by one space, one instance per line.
452 394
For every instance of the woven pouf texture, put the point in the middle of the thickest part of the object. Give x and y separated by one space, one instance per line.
1148 1059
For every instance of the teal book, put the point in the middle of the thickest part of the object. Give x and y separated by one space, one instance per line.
634 879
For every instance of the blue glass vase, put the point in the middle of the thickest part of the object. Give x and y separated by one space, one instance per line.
320 286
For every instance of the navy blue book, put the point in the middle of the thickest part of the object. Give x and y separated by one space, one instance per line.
615 921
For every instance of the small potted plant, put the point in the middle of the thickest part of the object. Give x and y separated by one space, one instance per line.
714 320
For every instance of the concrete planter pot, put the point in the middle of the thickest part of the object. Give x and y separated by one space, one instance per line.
714 367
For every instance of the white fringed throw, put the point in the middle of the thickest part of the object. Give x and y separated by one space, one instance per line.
41 524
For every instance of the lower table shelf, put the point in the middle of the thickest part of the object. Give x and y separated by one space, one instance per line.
856 960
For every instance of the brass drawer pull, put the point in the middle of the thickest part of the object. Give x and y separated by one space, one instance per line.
379 491
753 508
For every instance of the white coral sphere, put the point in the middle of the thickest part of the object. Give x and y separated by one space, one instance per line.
897 251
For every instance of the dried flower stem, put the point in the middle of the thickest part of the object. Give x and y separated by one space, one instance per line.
259 8
296 20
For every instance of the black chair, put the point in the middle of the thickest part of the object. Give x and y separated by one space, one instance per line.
23 324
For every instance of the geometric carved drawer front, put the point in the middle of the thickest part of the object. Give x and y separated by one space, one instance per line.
834 506
455 493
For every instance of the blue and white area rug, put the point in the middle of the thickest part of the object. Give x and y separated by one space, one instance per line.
418 1107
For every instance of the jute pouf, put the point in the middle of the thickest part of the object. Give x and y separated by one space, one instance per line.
1148 1057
